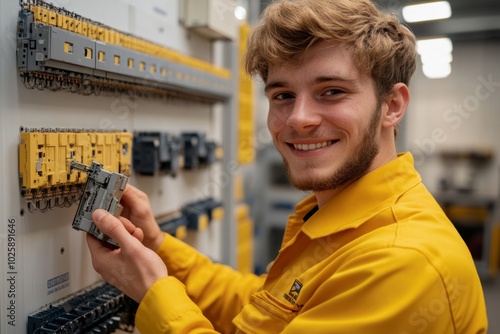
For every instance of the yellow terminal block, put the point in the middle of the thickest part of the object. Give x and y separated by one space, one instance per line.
78 27
100 35
52 18
45 157
40 14
112 37
59 20
92 31
71 24
85 29
66 22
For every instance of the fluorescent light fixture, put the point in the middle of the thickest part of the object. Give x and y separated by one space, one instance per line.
436 56
240 12
436 70
427 11
434 46
430 58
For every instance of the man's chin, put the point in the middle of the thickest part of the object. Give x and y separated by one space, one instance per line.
308 183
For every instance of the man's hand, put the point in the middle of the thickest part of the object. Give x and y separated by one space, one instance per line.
132 268
136 208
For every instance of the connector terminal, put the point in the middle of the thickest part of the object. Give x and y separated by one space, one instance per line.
99 309
45 154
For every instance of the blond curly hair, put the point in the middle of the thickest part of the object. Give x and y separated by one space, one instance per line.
380 45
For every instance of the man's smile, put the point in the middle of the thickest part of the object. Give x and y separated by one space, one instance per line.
313 146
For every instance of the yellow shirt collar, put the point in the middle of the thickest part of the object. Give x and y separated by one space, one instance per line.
360 201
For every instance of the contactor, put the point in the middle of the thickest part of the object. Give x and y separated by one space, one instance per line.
156 152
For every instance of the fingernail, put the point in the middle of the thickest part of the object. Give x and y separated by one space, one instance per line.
98 214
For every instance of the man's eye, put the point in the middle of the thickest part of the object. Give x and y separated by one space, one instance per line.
334 92
283 96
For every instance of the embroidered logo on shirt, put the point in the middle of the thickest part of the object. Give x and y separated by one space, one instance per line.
295 290
293 294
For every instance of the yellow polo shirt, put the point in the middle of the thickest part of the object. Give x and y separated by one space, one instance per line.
380 257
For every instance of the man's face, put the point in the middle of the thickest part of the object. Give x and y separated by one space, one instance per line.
324 118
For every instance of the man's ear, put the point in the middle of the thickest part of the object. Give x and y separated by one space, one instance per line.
396 104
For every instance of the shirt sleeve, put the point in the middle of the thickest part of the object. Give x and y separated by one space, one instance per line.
166 308
213 293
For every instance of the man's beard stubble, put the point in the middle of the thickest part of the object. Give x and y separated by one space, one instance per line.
355 167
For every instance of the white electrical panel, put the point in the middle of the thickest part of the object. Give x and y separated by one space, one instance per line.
114 13
44 260
213 19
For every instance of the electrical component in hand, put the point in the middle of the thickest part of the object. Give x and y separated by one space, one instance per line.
103 190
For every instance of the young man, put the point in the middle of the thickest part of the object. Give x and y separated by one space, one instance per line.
369 252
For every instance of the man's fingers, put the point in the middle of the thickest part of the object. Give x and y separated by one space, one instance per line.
135 203
131 193
112 227
97 249
132 229
94 244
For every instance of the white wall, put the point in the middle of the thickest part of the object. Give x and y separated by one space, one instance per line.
461 111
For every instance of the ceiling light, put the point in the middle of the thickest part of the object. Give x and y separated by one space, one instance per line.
427 11
436 71
436 56
434 45
240 12
428 58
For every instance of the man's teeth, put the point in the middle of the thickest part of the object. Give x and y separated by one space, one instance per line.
308 147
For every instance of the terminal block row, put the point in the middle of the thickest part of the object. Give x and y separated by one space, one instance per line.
193 216
59 50
164 153
99 309
45 156
198 214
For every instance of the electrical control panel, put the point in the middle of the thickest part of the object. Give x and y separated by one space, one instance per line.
88 107
53 42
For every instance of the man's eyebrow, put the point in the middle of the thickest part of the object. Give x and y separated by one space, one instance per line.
328 78
273 84
318 80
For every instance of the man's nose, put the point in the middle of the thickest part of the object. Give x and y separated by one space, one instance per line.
304 114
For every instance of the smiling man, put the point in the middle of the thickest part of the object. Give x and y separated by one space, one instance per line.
325 119
370 251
